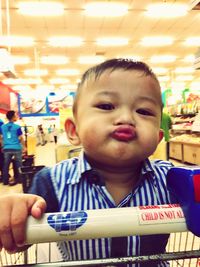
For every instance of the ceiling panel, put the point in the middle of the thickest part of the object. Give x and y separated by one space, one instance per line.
134 25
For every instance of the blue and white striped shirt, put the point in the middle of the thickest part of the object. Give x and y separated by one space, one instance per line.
71 186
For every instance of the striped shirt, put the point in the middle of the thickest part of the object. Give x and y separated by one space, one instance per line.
72 185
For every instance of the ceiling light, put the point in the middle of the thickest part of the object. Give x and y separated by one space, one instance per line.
163 59
20 88
112 41
157 41
35 72
71 87
184 78
22 81
163 78
160 70
16 41
189 59
54 60
41 8
65 41
68 72
106 9
58 81
192 41
20 60
184 70
91 59
167 10
45 87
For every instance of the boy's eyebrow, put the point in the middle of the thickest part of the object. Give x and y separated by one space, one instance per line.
113 93
107 93
148 98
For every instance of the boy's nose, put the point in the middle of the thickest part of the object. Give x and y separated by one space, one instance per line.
125 116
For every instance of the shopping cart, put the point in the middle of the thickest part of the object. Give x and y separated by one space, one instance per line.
26 174
183 248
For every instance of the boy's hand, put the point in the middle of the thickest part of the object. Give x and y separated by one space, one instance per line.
14 210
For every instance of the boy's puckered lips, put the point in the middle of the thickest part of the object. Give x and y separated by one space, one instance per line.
124 133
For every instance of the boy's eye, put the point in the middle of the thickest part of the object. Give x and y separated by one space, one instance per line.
145 112
105 106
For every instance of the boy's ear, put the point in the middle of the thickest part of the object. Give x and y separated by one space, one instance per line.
72 135
161 135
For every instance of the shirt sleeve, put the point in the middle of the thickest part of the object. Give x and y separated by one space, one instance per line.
19 131
42 186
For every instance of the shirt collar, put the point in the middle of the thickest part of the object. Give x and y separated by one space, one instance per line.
84 170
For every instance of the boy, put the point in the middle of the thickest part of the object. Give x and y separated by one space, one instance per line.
117 114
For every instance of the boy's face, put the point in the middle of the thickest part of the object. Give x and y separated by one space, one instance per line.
118 118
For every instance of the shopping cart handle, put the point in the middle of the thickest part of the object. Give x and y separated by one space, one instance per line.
101 223
184 185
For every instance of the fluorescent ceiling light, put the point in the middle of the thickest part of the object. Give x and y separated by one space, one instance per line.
35 72
65 41
20 60
16 41
157 41
112 41
58 81
90 59
184 78
45 87
22 81
54 60
167 10
20 88
68 72
160 70
41 8
163 78
189 59
192 41
163 59
184 70
106 9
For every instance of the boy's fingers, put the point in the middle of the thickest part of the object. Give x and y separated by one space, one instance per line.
15 211
38 208
18 221
5 229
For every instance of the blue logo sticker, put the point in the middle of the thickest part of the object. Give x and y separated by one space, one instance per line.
67 221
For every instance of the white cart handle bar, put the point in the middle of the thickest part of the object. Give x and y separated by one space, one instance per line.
116 222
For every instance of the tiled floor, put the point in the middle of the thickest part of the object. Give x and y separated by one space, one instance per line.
45 155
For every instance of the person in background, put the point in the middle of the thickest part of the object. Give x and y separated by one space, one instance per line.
1 155
13 145
40 135
50 133
55 134
166 124
116 119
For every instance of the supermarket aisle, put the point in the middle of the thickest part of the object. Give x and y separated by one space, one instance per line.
45 155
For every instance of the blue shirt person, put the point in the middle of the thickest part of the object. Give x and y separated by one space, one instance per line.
12 143
116 119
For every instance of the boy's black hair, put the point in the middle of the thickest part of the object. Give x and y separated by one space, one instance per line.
10 114
112 64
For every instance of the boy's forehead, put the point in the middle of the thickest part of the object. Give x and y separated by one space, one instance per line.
116 76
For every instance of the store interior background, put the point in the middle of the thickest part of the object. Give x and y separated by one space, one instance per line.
42 57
